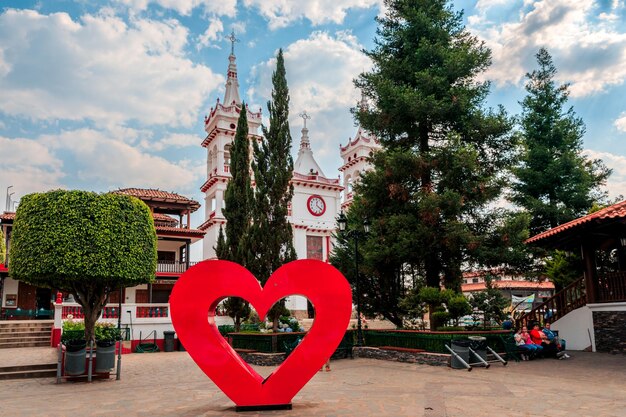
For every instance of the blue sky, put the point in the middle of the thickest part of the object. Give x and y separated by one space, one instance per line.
112 94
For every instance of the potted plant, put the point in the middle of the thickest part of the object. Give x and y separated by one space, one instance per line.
106 337
73 337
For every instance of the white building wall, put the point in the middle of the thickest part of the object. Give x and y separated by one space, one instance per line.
10 287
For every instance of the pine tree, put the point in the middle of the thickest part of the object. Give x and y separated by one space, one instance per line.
555 182
271 236
238 200
443 154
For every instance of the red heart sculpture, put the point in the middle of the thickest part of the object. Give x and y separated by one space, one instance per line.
198 292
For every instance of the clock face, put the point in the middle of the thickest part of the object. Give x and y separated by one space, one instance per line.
316 205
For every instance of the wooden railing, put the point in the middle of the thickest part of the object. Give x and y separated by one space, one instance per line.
612 287
570 298
173 266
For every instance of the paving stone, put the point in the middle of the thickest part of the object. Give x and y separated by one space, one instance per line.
170 384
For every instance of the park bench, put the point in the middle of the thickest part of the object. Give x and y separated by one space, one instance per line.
510 348
19 313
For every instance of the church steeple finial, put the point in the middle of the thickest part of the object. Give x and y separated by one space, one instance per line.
304 142
232 84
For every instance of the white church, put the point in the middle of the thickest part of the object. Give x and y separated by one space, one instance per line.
317 199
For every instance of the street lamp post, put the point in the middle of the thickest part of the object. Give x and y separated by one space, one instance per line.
355 234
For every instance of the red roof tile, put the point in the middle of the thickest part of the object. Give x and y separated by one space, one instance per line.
148 194
164 218
612 212
179 231
479 286
7 215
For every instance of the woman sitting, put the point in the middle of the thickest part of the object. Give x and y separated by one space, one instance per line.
525 344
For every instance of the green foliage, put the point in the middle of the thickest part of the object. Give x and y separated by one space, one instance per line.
490 303
555 181
238 197
75 330
83 243
444 156
458 306
3 248
563 268
72 240
270 240
238 200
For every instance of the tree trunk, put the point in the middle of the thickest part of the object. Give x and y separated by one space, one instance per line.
92 301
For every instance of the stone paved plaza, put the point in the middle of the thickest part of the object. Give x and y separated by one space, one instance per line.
169 384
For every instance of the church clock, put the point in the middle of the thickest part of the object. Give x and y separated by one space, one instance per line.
316 205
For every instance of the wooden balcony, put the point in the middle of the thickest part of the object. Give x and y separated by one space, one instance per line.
611 287
173 267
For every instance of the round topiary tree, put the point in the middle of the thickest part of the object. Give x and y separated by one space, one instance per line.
85 244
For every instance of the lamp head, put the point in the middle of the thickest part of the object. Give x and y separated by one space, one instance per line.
342 220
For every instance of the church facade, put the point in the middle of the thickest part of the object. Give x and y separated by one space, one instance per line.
317 199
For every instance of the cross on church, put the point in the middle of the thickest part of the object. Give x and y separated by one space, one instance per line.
305 117
232 40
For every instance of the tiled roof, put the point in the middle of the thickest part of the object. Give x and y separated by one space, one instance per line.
479 286
148 194
179 231
7 215
612 212
164 218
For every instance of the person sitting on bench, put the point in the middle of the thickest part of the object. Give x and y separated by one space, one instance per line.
554 338
525 344
549 348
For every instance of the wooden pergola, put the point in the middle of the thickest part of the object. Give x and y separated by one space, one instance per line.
602 231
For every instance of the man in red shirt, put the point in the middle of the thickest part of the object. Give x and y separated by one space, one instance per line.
549 348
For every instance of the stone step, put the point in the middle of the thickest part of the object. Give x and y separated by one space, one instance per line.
11 324
6 345
24 332
49 372
20 368
27 331
22 339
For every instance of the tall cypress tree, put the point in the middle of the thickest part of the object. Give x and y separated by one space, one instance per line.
443 153
271 236
555 182
238 201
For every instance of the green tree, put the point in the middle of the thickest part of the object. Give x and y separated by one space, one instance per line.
271 236
3 248
554 182
458 306
238 200
85 244
444 157
490 303
563 268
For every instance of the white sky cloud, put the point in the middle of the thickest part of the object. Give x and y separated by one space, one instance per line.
28 166
320 70
100 158
591 56
212 33
620 123
616 184
185 7
281 13
99 68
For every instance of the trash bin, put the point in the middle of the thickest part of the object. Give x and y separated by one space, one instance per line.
168 337
478 345
181 348
75 356
460 347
